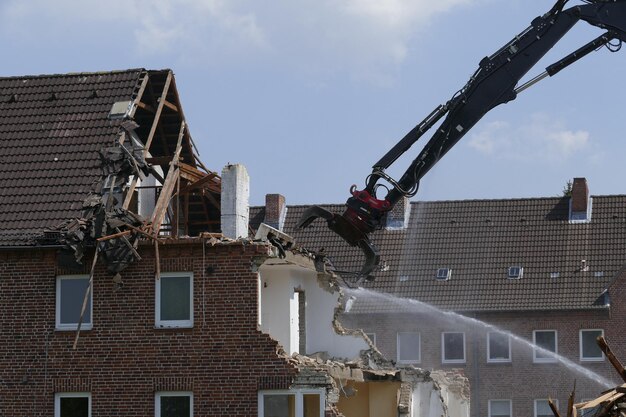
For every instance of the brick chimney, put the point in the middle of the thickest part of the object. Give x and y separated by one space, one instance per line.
275 211
580 202
235 201
398 217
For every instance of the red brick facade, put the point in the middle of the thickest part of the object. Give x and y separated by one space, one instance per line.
224 359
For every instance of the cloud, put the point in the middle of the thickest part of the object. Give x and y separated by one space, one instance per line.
540 138
364 38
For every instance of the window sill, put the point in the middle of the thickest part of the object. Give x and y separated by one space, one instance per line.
74 328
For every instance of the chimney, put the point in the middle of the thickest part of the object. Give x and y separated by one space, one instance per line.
235 201
398 217
580 202
275 211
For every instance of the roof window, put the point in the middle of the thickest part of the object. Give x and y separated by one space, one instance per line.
120 109
554 275
443 274
515 272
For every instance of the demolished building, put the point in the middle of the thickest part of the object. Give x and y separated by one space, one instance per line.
130 285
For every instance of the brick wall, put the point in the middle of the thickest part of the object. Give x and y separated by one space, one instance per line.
124 360
521 380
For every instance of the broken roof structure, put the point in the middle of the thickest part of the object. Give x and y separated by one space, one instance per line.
53 129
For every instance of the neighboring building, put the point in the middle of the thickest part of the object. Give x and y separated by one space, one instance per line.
548 270
129 285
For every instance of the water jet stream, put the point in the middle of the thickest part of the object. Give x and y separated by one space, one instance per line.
416 306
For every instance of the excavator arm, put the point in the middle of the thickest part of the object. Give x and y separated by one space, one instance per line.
495 82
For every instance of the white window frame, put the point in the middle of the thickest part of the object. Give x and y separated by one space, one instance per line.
59 395
159 394
556 403
510 406
299 393
168 324
580 344
72 326
497 360
419 348
443 349
556 346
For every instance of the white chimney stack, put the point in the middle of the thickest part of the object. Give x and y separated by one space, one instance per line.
235 201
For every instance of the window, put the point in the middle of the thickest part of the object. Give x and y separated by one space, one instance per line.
173 404
69 302
499 408
72 404
408 347
174 300
515 272
542 408
291 403
444 274
453 347
545 339
498 347
589 349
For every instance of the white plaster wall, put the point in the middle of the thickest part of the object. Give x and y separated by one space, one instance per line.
275 297
428 401
277 287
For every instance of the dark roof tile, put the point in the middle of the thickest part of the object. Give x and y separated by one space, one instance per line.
456 235
35 190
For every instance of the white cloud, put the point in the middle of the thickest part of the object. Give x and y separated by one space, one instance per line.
540 138
364 38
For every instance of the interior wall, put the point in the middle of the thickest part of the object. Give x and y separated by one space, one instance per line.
277 293
357 405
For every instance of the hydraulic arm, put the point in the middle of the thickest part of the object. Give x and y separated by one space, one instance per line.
495 82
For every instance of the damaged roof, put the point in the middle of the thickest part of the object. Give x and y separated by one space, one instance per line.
479 240
53 130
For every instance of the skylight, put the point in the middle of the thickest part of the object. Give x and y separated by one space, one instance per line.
515 272
443 274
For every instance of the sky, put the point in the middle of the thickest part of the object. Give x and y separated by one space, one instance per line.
308 94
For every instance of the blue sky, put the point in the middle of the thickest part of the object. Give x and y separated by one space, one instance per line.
309 94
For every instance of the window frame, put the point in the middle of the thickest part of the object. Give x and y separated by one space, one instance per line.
58 300
59 395
443 277
298 393
159 394
498 360
299 403
443 349
556 346
172 324
580 346
419 348
502 399
511 269
556 403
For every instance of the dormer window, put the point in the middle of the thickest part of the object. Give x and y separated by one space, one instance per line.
443 274
515 272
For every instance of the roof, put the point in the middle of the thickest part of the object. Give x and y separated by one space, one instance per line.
58 147
479 240
51 129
